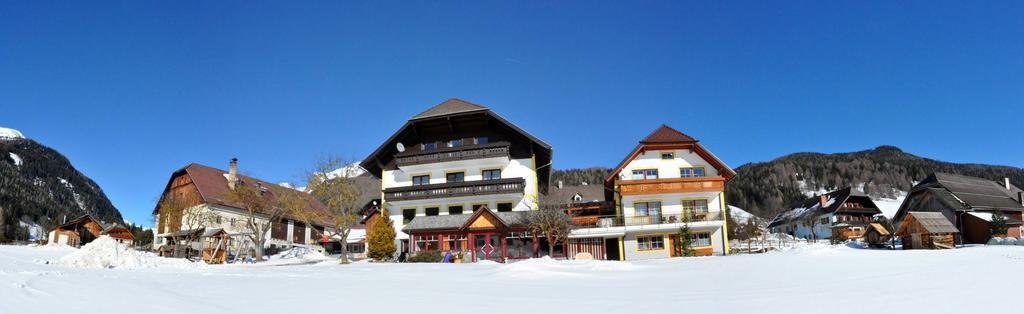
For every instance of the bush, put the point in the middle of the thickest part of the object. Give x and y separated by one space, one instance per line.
427 257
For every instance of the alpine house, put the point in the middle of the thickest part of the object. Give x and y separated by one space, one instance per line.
669 180
460 177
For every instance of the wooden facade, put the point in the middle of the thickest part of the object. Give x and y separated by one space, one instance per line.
85 229
671 185
927 230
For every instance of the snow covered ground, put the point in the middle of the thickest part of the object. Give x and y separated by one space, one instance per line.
805 279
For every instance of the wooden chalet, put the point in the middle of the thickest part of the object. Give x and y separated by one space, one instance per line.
87 228
927 230
841 214
201 187
968 203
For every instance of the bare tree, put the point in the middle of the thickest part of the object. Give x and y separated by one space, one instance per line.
261 210
331 181
554 224
811 220
182 222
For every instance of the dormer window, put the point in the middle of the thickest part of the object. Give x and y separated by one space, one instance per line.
455 143
577 198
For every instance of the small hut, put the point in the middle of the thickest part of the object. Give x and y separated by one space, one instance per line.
876 235
215 245
927 230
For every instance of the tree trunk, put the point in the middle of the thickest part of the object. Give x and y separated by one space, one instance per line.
344 249
551 245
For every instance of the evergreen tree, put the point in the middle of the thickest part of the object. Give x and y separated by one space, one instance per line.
381 238
684 239
998 225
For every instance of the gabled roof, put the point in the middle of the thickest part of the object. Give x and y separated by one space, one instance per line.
449 111
667 137
933 222
448 107
666 134
456 222
879 228
972 192
834 203
565 194
212 185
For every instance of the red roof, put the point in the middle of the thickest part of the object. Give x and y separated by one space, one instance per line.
666 134
212 184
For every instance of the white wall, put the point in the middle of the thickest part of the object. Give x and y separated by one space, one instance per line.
667 168
629 244
671 203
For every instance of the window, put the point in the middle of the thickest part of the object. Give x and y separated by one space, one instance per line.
701 239
647 209
668 155
691 172
456 242
432 211
430 146
492 174
519 245
824 221
217 218
504 207
426 242
408 214
455 143
456 177
421 180
455 210
650 243
482 140
356 248
643 174
695 208
477 206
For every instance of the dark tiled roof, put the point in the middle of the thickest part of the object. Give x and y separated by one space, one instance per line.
666 134
450 106
976 193
564 195
514 218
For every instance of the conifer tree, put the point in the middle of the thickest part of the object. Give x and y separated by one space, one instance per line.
381 238
998 225
684 239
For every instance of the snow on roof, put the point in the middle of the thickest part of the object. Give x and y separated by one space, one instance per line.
983 216
6 133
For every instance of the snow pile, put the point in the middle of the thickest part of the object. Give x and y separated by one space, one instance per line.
995 241
740 215
297 255
10 134
105 252
17 159
35 231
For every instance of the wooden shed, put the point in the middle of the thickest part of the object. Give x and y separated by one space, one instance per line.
215 245
876 235
927 230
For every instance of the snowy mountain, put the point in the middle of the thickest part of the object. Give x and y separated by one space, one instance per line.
39 187
884 173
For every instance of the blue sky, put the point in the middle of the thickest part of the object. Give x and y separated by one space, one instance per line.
132 90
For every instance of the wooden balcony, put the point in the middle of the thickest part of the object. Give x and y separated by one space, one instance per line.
496 149
617 221
672 185
455 189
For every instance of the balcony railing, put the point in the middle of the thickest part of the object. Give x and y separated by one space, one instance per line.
496 149
455 189
616 221
672 185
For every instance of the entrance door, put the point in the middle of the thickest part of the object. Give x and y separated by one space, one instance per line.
486 246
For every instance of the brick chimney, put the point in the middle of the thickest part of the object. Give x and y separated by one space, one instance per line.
822 199
233 173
